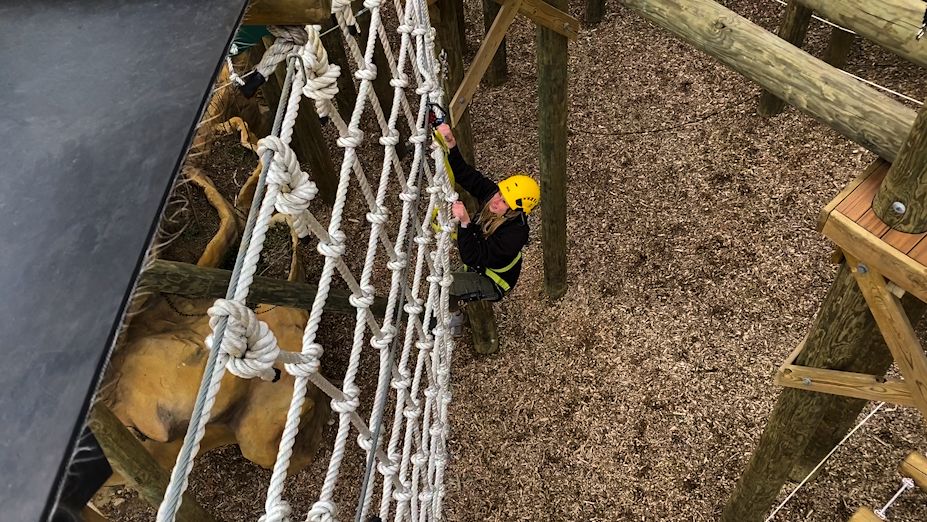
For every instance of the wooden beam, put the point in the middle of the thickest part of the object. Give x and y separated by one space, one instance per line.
839 47
890 23
594 11
855 110
542 13
172 277
498 68
914 467
906 183
287 12
792 29
552 148
896 329
484 56
128 457
483 329
847 384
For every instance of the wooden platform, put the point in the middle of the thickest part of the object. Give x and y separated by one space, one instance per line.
851 223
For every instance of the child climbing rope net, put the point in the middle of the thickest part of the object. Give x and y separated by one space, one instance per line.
407 450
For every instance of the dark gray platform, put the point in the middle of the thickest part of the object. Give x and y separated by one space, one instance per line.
98 100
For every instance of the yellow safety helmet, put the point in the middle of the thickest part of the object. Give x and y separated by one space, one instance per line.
520 192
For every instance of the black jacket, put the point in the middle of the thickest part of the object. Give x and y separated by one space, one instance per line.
499 249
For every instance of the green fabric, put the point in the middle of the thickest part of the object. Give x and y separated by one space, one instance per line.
246 37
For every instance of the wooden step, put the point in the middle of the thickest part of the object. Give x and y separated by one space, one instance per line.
865 514
849 221
915 467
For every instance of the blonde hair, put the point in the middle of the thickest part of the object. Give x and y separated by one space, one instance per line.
489 221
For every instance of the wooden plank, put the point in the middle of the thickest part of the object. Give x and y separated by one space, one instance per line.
484 56
852 108
847 190
792 29
871 222
545 15
846 384
127 456
919 252
897 330
889 23
914 466
287 12
902 241
172 277
859 201
856 241
865 514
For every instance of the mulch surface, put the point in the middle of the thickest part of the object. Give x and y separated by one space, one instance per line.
694 269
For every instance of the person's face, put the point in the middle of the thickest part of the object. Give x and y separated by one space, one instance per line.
497 204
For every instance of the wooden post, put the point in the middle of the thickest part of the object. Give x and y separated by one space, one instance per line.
902 200
172 277
842 413
552 136
850 107
838 47
127 456
915 468
844 336
308 142
444 18
498 69
792 29
461 25
891 25
595 9
347 92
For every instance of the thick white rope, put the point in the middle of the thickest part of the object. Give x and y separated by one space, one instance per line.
247 347
816 468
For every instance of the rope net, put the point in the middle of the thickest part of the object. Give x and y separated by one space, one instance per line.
405 444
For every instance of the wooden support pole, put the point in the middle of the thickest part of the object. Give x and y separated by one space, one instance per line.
497 72
891 24
484 56
547 15
128 457
287 12
839 47
347 92
552 147
483 327
914 467
843 337
852 108
172 277
595 9
906 184
792 29
461 24
308 142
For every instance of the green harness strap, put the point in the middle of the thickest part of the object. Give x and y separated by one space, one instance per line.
493 273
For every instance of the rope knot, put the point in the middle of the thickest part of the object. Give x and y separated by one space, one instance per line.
310 361
403 381
391 139
369 73
364 300
401 81
413 306
399 263
352 139
335 248
350 402
378 216
386 337
279 512
322 511
402 494
249 343
410 194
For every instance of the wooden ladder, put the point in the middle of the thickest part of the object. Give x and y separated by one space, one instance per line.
913 467
886 263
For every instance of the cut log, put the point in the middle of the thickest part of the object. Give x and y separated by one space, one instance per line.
853 109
